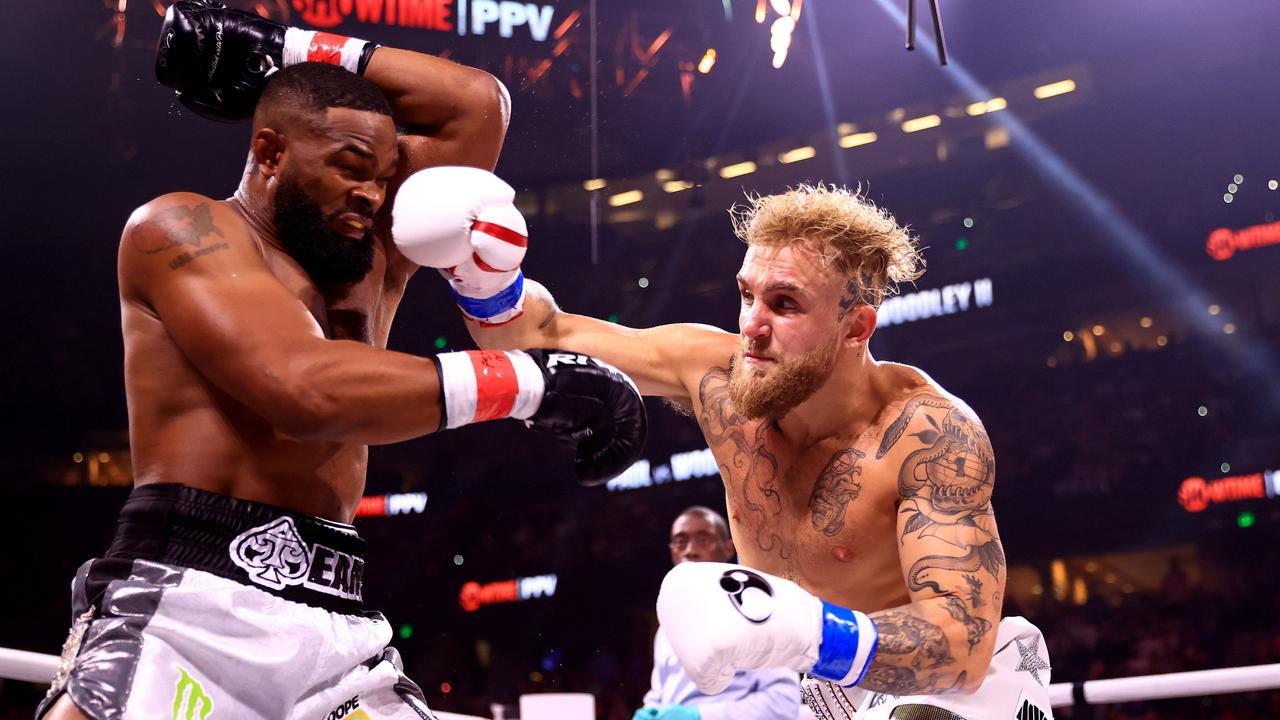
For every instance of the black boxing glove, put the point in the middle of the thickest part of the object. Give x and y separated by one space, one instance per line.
572 396
219 59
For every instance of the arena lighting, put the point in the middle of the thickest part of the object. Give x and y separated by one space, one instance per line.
1062 87
1133 245
593 184
797 154
982 108
737 169
625 198
673 186
921 123
708 61
856 139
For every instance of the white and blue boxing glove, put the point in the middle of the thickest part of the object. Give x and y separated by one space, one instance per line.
721 618
463 221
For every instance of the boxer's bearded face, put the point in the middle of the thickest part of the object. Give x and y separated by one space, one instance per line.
789 382
330 257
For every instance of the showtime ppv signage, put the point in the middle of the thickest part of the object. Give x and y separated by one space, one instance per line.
1196 493
474 595
464 17
1223 243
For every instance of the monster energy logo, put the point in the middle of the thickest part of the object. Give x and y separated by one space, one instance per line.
189 700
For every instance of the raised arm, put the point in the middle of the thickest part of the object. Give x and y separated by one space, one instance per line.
668 360
950 550
452 114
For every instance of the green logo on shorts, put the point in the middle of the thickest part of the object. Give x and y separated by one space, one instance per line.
189 701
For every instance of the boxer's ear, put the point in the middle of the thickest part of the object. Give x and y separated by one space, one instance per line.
267 148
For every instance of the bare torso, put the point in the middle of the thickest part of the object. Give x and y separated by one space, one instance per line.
824 516
183 429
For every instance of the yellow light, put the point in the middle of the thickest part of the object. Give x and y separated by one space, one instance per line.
759 11
664 175
796 155
78 457
846 128
996 138
1229 328
982 108
672 186
592 185
782 7
1116 347
104 458
1062 87
921 123
1273 184
1145 322
1098 330
856 139
625 198
1214 309
737 169
1162 341
708 61
1068 336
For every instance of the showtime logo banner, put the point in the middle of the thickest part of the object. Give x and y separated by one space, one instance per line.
504 18
1195 494
474 595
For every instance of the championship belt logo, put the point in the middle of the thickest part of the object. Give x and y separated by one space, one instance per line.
273 554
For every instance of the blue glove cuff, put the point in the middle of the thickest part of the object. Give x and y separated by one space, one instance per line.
849 641
494 305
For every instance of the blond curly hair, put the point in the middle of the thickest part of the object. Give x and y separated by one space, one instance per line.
843 228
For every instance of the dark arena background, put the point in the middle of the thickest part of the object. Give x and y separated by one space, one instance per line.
1097 184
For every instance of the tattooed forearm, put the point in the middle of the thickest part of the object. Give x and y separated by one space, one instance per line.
913 657
976 628
836 487
748 468
181 225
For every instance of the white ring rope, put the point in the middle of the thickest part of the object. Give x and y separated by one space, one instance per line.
1171 685
39 668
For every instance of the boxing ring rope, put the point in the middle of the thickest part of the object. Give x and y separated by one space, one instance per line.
39 668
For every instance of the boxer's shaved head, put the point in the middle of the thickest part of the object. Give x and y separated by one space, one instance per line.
305 91
711 516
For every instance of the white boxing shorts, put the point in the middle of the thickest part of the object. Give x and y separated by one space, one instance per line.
209 607
1016 688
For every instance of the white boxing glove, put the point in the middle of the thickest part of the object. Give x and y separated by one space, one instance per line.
462 220
721 618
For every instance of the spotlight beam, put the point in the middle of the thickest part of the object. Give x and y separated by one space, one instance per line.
1132 244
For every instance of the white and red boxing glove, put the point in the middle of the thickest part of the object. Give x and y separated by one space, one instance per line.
464 222
721 618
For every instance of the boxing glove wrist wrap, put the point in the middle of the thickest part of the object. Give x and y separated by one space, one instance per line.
350 53
503 307
479 385
849 641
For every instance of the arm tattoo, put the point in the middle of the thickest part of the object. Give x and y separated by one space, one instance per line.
836 487
909 644
976 628
946 492
892 435
751 473
181 225
975 591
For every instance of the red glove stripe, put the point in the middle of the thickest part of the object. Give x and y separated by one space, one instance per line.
504 234
480 263
326 48
496 384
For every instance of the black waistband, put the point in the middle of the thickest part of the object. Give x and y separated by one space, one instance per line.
295 556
